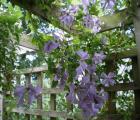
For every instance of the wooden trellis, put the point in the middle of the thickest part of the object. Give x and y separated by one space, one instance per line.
112 113
39 112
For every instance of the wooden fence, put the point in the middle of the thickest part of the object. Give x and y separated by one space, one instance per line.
112 112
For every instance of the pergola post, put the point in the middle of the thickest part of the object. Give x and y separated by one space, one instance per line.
137 35
137 61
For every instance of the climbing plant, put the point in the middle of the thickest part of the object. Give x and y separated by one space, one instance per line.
76 62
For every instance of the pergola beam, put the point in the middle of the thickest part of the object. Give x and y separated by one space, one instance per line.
52 16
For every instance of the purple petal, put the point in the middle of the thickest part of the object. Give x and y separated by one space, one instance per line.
38 90
63 79
111 75
107 80
19 93
71 97
85 2
33 93
91 69
94 110
85 79
83 55
50 45
108 4
79 71
83 65
98 57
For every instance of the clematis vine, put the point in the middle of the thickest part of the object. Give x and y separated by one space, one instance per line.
33 93
89 99
83 90
85 94
67 16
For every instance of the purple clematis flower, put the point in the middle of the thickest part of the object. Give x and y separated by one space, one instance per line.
67 19
58 73
34 92
107 80
56 36
86 2
50 45
71 97
91 68
19 93
67 15
79 71
81 68
85 79
108 4
63 79
103 94
92 22
73 9
98 57
83 55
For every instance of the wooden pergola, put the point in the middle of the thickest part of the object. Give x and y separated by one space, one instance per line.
113 21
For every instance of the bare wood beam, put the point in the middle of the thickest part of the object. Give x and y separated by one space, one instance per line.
123 87
26 41
52 16
32 70
123 54
42 112
52 91
116 87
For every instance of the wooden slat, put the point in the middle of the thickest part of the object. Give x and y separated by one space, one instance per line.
69 109
136 92
42 112
27 82
111 103
113 117
1 107
52 90
18 82
32 70
124 54
116 87
53 102
79 116
123 87
39 99
53 12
